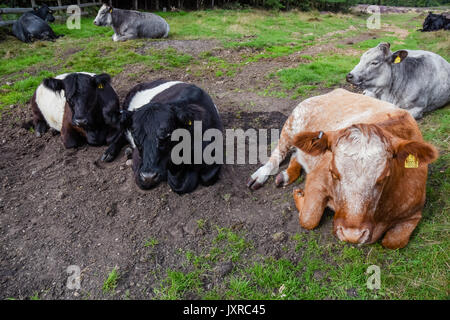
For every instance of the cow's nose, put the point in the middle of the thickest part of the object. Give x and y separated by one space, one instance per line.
349 77
353 235
80 122
148 177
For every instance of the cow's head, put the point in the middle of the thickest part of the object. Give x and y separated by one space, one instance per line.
81 92
104 17
151 127
374 68
364 160
45 13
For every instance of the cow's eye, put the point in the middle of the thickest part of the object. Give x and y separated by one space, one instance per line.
375 63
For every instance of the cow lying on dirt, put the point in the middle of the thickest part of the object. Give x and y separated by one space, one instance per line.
152 111
364 158
416 80
434 22
82 106
128 24
32 25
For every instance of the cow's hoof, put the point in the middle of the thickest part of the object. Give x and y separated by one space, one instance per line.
129 153
107 157
298 192
253 184
279 180
38 134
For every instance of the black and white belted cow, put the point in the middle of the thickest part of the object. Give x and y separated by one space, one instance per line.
82 106
151 113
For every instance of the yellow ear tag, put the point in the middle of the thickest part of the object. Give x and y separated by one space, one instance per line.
398 60
411 162
110 10
100 86
189 122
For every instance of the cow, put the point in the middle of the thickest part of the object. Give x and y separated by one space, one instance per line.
82 106
364 158
130 24
151 112
434 22
32 25
416 80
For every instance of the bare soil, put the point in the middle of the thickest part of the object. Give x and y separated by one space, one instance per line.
63 207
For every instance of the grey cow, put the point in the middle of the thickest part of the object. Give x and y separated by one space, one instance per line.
129 24
415 80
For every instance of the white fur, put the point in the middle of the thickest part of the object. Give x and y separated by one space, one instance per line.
51 103
360 161
143 97
146 96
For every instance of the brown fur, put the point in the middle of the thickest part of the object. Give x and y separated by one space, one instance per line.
403 189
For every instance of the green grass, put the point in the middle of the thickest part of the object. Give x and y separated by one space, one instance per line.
325 70
110 283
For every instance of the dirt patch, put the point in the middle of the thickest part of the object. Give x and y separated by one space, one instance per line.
192 47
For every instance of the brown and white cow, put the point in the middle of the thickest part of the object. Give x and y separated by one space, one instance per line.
364 158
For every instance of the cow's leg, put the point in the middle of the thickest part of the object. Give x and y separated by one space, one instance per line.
210 174
119 141
124 37
369 93
416 112
70 137
291 174
312 202
260 176
398 236
40 125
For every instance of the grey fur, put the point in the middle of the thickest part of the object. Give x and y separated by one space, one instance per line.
129 24
419 83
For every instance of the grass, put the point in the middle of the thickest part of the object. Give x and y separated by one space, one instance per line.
322 267
110 283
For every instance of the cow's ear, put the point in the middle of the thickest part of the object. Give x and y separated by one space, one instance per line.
101 80
313 143
186 114
54 84
413 154
399 56
385 47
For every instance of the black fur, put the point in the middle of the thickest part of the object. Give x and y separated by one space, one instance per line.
94 105
32 25
151 127
434 22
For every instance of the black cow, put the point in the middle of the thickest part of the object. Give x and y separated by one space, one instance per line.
82 106
32 25
434 22
151 113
